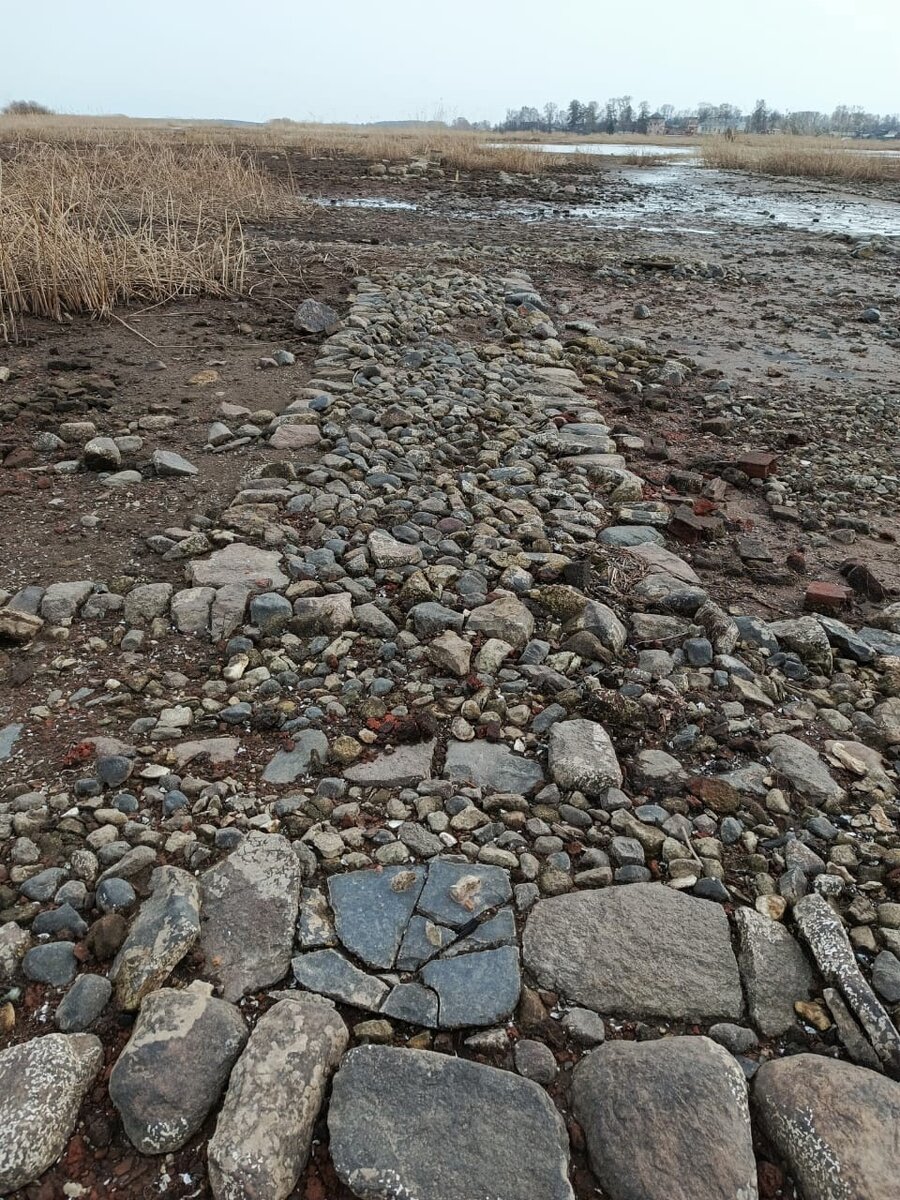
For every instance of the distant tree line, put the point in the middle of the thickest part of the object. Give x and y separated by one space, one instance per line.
621 115
26 108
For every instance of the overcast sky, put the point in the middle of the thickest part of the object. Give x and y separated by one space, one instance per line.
365 60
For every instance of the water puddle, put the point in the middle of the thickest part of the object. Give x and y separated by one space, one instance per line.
615 149
687 198
376 202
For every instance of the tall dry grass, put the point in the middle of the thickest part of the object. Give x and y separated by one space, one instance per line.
85 225
805 158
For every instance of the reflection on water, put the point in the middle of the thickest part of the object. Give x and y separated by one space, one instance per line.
364 202
616 149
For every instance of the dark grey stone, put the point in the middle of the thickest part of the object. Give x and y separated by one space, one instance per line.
422 941
330 974
481 988
413 1003
372 910
83 1003
455 892
54 963
401 1124
774 969
175 1065
492 766
44 885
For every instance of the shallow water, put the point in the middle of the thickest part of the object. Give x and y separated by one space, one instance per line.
686 198
616 149
364 202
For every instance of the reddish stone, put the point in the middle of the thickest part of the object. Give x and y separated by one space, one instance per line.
758 464
20 457
827 597
685 525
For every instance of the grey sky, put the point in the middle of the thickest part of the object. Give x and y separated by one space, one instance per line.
363 60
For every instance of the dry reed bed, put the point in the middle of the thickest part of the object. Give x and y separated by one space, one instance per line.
86 226
809 158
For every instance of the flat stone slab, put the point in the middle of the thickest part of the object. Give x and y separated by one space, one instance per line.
581 756
404 767
492 766
475 989
42 1084
330 974
9 735
835 1126
250 902
666 1120
409 1123
309 751
641 950
456 893
240 563
372 910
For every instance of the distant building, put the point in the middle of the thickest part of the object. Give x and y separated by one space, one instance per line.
692 126
656 125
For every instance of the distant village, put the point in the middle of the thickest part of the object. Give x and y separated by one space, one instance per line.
621 115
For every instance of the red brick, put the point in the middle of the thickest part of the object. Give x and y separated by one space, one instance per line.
758 464
827 597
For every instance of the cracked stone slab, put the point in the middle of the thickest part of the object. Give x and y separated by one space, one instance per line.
775 971
401 1124
481 988
166 927
372 910
42 1085
250 904
643 951
264 1131
330 974
835 1126
456 893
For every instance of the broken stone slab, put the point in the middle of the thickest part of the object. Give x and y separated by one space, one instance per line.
166 927
227 610
404 767
803 768
821 929
329 973
190 609
643 951
310 751
401 1123
250 904
492 766
42 1084
175 1065
456 893
834 1125
372 910
774 969
852 1037
581 757
264 1132
412 1003
666 1120
480 988
239 563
